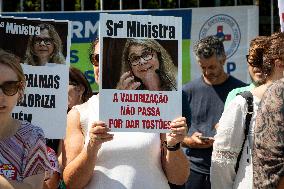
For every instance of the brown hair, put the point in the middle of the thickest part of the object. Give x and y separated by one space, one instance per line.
257 48
13 62
76 77
275 51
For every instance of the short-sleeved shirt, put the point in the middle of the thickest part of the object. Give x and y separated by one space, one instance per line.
268 151
206 107
235 92
23 154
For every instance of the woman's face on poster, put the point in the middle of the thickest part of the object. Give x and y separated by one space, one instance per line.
43 44
143 61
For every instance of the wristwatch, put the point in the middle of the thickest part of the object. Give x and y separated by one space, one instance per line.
172 148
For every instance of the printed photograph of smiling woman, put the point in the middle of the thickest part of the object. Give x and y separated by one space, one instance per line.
44 48
140 64
36 41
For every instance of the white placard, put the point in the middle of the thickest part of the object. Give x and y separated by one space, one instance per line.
139 110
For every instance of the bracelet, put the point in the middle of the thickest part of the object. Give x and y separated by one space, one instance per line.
172 148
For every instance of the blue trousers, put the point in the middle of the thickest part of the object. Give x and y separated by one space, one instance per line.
198 180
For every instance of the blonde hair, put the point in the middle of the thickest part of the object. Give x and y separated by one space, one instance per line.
166 65
56 57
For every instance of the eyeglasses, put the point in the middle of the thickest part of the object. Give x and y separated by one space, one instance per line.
45 40
94 59
10 88
247 57
146 55
256 62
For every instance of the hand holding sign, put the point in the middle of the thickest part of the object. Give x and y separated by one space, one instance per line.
99 134
178 131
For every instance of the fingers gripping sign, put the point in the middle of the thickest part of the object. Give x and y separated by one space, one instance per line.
178 131
99 134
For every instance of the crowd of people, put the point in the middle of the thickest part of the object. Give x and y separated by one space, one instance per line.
213 144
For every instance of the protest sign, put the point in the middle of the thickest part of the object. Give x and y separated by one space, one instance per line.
140 67
43 49
238 22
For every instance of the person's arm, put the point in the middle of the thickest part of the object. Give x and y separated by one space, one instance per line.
52 182
31 182
227 145
175 163
80 160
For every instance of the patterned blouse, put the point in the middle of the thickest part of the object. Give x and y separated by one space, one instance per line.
23 154
268 153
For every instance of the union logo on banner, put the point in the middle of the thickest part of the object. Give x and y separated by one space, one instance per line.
226 28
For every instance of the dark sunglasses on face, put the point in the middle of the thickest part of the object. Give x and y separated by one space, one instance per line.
256 62
94 59
10 88
45 40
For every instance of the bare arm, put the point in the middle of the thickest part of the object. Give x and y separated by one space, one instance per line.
175 163
32 182
80 161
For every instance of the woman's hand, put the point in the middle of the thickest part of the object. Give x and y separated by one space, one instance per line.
178 131
99 134
127 82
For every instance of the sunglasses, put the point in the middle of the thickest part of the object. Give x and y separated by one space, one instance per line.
10 88
256 62
94 59
45 40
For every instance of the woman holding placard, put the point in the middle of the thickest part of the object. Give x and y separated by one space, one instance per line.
23 157
120 160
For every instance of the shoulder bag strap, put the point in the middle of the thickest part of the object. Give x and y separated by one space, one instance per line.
249 99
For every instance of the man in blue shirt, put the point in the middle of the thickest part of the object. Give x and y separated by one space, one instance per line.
206 96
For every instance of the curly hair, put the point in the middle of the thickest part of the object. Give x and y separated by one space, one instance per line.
257 49
209 46
275 51
166 65
56 57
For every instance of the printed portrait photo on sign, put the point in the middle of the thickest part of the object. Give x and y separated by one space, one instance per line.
37 42
140 64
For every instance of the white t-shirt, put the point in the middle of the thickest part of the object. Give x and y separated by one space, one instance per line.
132 160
